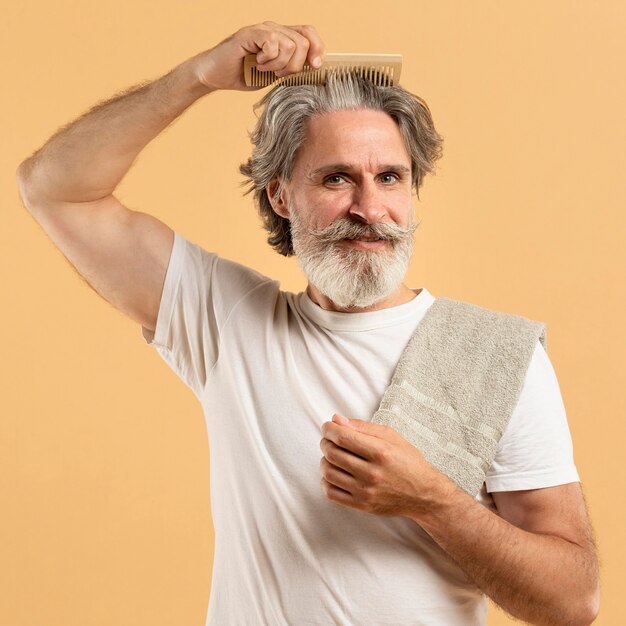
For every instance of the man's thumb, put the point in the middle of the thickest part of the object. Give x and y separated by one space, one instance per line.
343 421
362 426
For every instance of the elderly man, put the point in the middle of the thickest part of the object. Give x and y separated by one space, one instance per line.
356 526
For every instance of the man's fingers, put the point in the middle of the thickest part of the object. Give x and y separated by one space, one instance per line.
268 50
278 48
348 439
298 58
275 52
336 476
285 49
316 45
342 458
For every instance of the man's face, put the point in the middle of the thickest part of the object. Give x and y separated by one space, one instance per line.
349 204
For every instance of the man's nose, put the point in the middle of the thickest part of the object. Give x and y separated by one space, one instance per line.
367 203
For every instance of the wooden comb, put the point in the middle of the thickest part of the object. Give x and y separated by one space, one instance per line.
382 69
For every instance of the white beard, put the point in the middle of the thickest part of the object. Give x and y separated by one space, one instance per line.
352 278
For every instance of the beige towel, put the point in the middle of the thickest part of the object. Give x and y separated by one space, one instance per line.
456 385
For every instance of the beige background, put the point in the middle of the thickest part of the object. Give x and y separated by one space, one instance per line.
103 453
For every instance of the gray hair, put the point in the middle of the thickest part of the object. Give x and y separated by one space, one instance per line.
280 129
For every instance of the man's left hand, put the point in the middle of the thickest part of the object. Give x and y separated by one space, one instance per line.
372 468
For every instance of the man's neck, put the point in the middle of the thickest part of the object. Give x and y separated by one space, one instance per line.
400 296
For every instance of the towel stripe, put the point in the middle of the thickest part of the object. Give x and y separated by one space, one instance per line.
466 421
426 433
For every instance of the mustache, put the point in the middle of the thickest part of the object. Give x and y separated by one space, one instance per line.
348 229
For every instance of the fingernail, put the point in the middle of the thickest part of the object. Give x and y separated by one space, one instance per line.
316 62
342 420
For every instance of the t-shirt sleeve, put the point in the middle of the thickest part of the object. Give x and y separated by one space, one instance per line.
535 450
200 291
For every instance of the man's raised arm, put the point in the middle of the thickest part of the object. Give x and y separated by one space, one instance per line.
68 184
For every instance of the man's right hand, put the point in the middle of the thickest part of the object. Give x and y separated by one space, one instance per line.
68 184
280 49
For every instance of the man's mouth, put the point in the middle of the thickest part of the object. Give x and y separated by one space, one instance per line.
367 243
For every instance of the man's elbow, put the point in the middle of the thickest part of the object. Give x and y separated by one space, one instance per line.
592 607
23 185
582 610
587 610
30 192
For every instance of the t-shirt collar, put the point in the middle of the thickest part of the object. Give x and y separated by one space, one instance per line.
334 320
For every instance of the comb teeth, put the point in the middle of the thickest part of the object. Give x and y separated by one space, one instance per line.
382 69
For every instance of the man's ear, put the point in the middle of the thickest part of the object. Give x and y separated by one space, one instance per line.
278 202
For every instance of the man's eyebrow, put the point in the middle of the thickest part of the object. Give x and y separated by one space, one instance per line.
346 167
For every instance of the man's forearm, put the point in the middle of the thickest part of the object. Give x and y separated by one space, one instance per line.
88 158
537 577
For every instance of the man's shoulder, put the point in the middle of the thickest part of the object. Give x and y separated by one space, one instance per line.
452 309
471 308
231 271
458 317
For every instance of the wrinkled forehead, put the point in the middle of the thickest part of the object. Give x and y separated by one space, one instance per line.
352 136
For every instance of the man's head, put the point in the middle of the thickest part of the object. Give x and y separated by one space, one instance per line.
335 164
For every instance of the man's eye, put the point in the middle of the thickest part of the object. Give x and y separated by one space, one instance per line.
389 177
334 179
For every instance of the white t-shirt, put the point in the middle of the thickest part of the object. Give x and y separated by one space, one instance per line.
269 368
